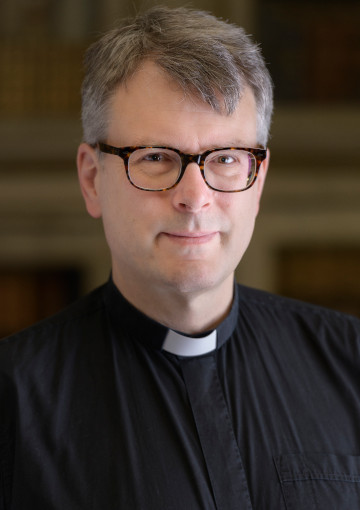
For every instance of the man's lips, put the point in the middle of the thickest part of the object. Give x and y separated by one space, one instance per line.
191 237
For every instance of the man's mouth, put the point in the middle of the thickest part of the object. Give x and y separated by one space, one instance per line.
184 237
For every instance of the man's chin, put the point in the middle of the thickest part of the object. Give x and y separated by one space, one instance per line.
194 279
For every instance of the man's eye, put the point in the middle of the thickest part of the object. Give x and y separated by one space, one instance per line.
225 159
157 157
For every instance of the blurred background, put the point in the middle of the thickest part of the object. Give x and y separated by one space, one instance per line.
307 240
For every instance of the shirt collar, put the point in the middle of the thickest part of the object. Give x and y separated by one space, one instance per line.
128 322
188 346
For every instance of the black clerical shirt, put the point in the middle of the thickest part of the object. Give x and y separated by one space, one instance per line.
97 412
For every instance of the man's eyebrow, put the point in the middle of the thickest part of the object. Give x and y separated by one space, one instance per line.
235 144
157 143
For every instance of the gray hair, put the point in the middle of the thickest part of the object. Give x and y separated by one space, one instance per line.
209 58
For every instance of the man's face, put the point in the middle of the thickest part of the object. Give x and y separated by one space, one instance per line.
188 239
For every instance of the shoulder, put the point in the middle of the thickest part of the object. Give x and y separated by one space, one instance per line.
275 301
274 313
74 321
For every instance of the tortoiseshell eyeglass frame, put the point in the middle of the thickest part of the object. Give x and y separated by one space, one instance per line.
125 152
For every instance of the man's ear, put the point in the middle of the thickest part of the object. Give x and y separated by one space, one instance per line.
88 171
261 178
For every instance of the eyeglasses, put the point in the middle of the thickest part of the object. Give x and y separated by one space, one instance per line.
229 170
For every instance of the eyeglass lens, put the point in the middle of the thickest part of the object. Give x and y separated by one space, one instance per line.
225 170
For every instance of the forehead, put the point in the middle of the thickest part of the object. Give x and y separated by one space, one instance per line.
152 108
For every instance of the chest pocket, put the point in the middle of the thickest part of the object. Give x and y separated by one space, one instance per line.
319 481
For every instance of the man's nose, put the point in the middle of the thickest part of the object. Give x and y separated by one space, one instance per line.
192 194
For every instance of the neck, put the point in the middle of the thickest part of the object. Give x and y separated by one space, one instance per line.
189 313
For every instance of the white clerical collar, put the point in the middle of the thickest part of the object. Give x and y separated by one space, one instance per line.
187 346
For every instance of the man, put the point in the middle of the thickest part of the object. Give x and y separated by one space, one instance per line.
170 387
